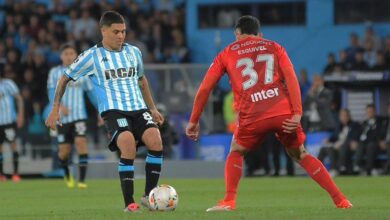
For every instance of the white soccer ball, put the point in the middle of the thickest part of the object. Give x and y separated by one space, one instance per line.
163 198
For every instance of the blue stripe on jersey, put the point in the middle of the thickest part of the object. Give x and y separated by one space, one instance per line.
131 83
8 90
121 88
140 101
98 84
126 82
137 64
112 103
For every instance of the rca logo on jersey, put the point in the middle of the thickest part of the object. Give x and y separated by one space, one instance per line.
264 94
119 73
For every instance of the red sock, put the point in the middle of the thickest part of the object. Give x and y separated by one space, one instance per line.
233 173
318 173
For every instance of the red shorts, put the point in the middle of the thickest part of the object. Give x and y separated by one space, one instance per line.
251 135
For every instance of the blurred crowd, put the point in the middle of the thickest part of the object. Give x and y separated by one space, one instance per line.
366 53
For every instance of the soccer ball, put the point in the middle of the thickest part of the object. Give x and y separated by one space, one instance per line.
163 198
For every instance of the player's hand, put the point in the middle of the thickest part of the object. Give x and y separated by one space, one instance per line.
53 119
192 131
157 116
64 110
290 125
20 121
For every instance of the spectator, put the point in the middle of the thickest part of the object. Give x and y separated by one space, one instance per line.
370 54
86 27
387 52
371 38
359 64
341 145
353 48
318 114
367 150
304 83
344 62
331 66
380 62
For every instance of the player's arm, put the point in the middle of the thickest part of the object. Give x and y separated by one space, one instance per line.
145 89
211 78
144 86
54 116
294 92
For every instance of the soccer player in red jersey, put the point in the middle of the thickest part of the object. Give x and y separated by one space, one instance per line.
267 99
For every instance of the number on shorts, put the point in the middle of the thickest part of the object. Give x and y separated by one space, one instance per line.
80 128
148 118
251 72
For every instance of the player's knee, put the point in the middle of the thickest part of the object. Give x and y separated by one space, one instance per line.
297 154
152 139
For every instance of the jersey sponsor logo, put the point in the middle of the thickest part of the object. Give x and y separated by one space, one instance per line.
119 73
264 94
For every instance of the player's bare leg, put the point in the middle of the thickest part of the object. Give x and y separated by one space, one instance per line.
126 144
233 172
63 155
318 173
82 150
153 162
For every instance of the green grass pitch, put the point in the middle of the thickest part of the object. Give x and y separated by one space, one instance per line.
259 198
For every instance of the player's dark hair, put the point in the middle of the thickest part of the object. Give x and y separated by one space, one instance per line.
67 46
248 24
111 17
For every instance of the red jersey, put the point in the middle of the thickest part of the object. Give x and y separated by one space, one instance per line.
263 80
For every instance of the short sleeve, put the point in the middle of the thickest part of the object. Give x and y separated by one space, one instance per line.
81 66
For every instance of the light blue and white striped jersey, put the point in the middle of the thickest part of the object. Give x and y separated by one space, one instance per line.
73 98
114 76
8 90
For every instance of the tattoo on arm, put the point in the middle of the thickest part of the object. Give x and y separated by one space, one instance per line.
60 90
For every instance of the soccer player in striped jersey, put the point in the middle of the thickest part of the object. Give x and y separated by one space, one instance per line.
125 103
74 115
267 99
10 119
